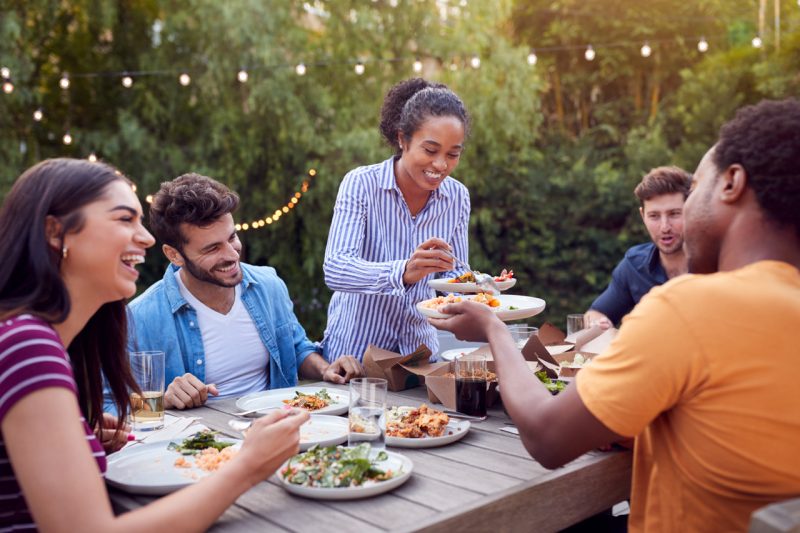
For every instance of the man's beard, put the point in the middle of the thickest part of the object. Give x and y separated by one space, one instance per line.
206 276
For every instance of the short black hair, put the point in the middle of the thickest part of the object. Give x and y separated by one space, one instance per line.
409 103
765 139
191 199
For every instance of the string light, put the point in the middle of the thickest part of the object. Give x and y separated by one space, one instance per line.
646 50
242 76
67 139
5 72
757 42
184 79
702 45
300 69
417 65
127 82
93 158
38 115
8 87
133 187
64 82
590 53
475 62
359 68
532 59
312 172
149 198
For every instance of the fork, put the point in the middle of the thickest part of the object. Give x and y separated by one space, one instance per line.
484 281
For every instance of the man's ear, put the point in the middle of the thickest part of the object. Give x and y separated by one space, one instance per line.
734 183
173 255
641 213
53 232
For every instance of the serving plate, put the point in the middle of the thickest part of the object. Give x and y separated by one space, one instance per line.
394 461
512 307
456 430
444 285
323 430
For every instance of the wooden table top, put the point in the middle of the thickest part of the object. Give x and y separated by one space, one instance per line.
485 482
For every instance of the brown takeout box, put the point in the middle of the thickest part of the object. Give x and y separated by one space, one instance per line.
551 346
401 371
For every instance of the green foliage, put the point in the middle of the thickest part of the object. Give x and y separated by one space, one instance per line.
554 154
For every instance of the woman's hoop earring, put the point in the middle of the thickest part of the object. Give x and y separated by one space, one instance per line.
64 252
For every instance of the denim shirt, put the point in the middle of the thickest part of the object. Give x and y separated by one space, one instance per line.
161 319
638 272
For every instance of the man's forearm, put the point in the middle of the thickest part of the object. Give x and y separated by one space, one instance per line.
314 366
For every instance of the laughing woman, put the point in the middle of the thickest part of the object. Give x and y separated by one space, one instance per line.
70 234
395 224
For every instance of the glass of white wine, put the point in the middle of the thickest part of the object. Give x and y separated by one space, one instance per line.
147 408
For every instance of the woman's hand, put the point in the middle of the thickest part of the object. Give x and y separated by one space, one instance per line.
431 256
270 441
470 321
108 436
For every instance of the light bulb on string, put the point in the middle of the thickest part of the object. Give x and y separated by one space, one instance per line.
417 65
67 139
268 220
475 62
646 50
92 157
312 172
297 195
149 198
300 69
359 68
242 76
293 200
184 79
5 72
245 226
238 227
8 87
590 53
702 45
133 187
38 115
532 59
127 82
64 82
757 42
285 209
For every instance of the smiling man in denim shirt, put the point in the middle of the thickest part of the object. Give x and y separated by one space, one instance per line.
227 328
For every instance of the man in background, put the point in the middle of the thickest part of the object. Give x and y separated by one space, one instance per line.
661 195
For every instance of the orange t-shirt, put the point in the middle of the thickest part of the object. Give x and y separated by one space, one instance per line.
705 372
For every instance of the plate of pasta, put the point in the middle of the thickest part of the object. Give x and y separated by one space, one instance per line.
318 400
505 306
422 427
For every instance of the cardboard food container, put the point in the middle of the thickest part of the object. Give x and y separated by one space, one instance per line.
551 347
401 371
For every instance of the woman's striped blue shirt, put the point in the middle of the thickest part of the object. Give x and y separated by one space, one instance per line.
371 237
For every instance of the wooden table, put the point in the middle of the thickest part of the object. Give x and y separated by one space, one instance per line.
485 482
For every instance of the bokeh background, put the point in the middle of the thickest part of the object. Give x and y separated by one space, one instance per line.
558 140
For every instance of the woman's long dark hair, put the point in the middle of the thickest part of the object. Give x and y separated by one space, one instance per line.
30 278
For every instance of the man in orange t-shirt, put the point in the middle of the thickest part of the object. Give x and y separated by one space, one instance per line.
704 370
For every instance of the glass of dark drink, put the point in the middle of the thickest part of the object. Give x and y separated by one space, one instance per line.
471 385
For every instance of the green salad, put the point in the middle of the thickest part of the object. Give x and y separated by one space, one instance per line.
336 467
553 385
199 441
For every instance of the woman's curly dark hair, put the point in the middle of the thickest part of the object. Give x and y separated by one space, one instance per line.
765 139
409 103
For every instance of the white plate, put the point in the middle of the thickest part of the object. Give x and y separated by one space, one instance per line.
524 307
395 462
273 399
455 353
443 285
456 429
150 469
324 430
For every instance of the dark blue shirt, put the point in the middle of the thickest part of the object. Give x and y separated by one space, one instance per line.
638 272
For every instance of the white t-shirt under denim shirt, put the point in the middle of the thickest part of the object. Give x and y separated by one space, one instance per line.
236 360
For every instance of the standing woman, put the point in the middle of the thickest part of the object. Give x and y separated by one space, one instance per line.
395 224
70 235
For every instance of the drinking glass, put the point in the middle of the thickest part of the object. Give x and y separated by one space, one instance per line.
521 333
575 323
147 408
367 420
471 385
